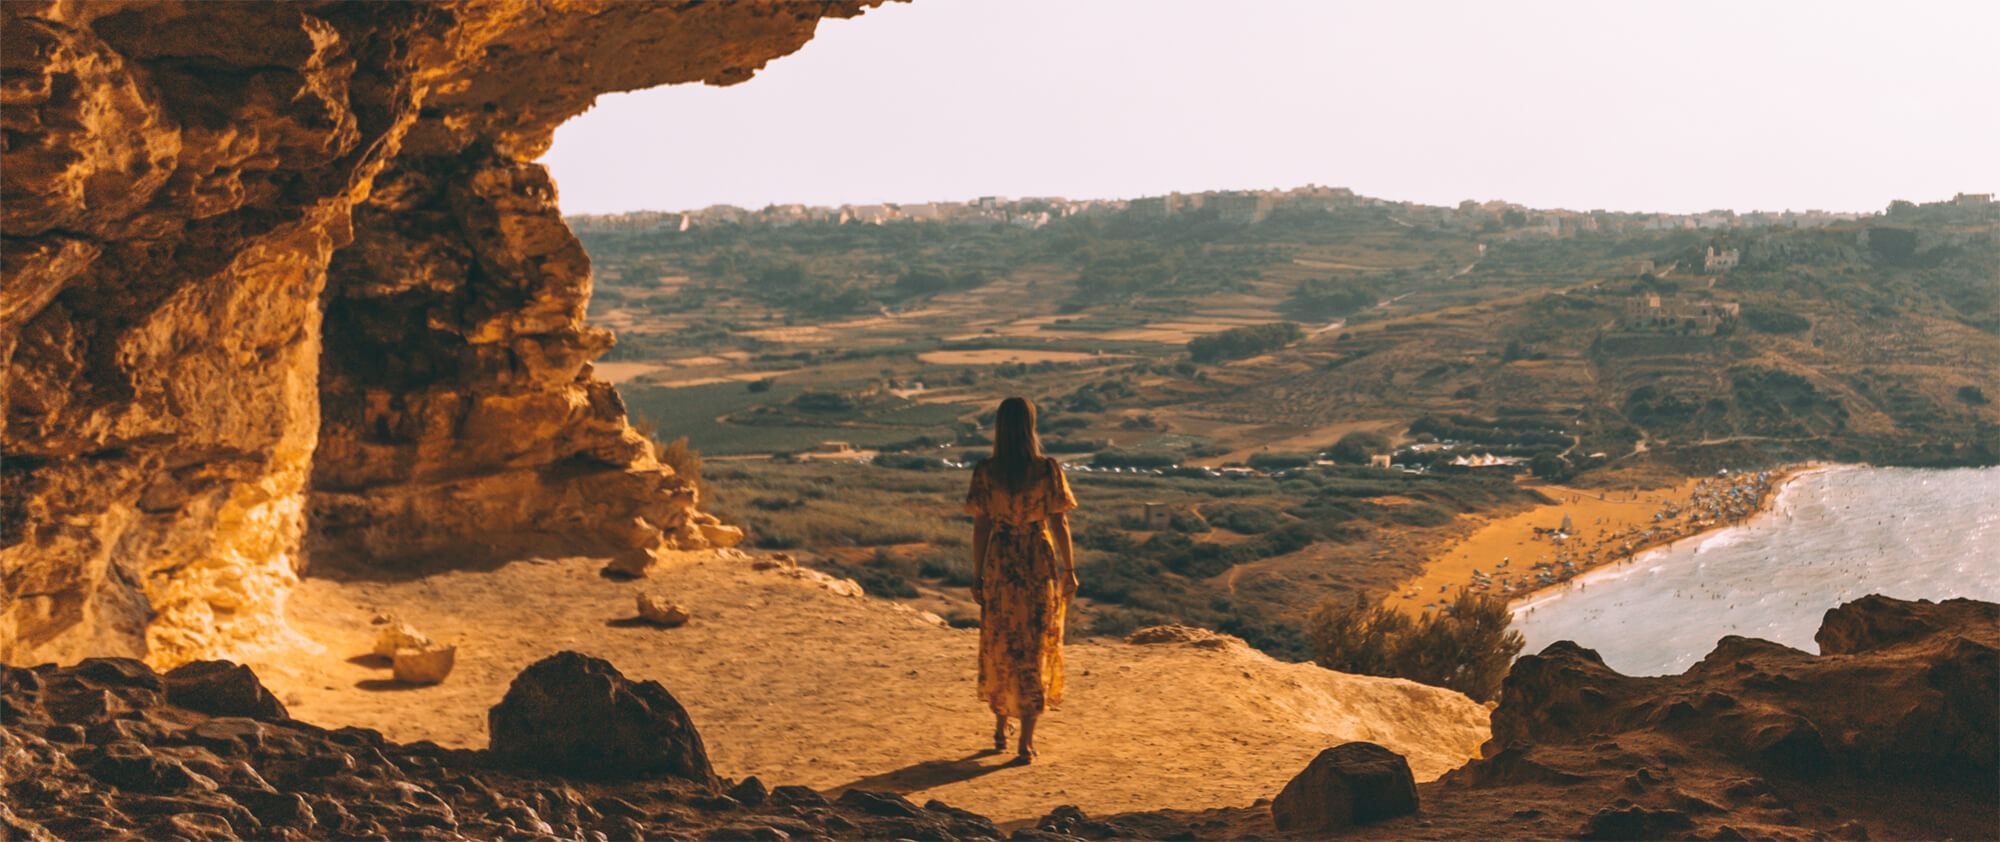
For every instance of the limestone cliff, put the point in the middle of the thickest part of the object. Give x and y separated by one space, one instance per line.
274 269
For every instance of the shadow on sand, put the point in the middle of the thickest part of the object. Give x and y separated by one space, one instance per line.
928 774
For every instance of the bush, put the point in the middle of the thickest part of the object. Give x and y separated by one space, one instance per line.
1355 448
1243 519
1278 461
1247 341
953 569
1774 321
1467 647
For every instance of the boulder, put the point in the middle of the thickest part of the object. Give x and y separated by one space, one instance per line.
1351 783
222 688
658 610
1176 633
1875 621
574 714
424 665
400 636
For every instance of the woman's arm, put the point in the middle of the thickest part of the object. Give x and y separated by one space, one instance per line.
1059 534
982 526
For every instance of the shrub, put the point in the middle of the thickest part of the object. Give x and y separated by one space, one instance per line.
1243 519
953 568
1355 448
1278 461
1246 341
1774 321
1467 647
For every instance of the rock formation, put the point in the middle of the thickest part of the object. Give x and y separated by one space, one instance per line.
1890 734
98 751
282 275
1904 728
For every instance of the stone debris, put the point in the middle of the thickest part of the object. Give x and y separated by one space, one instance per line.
660 611
400 636
774 561
424 665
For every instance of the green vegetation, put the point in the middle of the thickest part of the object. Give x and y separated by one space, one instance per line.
1240 342
1467 647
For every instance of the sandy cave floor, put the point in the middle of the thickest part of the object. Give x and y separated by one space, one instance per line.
798 685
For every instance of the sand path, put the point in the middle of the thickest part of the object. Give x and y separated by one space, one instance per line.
795 684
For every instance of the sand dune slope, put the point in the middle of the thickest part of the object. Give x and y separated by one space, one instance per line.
796 684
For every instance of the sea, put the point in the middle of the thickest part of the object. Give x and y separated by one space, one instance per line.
1831 536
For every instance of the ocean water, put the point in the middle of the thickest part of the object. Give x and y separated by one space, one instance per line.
1831 536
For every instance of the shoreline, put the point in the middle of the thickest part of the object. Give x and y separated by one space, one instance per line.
1784 477
1528 559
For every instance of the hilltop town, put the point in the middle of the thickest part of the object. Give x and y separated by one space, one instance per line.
1237 206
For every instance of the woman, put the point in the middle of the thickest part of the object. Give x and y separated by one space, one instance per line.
1023 574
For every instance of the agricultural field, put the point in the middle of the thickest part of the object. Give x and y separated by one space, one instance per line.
832 376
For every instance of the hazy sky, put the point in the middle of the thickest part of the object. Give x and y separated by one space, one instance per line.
1679 106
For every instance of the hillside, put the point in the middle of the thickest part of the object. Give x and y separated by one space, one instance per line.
1621 357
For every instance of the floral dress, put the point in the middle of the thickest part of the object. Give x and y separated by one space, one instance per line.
1021 625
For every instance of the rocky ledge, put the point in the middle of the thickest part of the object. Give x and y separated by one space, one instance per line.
1889 734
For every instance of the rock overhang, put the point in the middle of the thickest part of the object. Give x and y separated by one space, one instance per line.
283 280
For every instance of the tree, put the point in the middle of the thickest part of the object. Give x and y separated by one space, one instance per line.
1549 466
1357 447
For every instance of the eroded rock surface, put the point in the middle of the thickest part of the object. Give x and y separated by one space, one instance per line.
272 264
97 751
1891 738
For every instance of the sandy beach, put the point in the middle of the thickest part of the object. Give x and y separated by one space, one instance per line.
1520 555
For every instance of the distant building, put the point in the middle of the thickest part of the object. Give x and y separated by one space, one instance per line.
1971 200
1153 207
1241 208
1379 460
1159 516
869 214
1653 313
1719 261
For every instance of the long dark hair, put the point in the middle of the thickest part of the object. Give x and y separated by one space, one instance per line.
1015 447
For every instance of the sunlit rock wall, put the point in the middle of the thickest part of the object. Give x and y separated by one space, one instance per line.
272 265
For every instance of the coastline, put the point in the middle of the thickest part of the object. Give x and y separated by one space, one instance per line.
1767 502
1527 559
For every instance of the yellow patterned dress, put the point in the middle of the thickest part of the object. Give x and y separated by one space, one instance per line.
1021 625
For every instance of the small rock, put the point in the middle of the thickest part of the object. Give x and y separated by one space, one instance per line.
577 714
751 791
877 803
658 610
1351 783
720 535
774 561
400 636
794 794
1635 822
222 688
425 665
